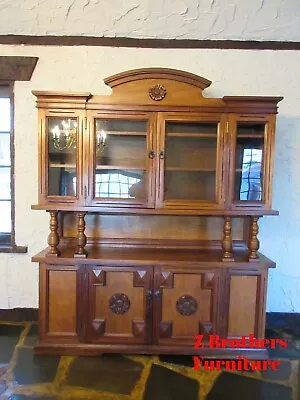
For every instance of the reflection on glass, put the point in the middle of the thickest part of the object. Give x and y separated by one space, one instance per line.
120 168
249 162
4 114
62 138
190 165
5 212
120 184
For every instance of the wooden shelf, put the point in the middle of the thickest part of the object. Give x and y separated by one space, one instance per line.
251 136
190 169
191 135
52 165
125 133
103 167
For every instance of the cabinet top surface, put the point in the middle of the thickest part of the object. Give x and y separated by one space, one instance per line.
154 256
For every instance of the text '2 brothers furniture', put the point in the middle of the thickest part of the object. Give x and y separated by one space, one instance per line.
154 194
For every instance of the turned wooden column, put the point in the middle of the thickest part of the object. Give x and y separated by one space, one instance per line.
253 244
81 238
227 240
53 238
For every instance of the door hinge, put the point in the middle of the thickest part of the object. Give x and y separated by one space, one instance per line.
85 122
85 192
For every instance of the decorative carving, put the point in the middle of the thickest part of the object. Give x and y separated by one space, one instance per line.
165 329
99 277
186 305
138 328
139 278
166 280
119 303
205 328
253 244
208 280
99 326
227 240
53 238
81 238
157 92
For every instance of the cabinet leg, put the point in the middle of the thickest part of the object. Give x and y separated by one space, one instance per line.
53 238
81 238
227 240
253 244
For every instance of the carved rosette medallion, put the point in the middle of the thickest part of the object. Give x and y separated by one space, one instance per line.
157 92
186 305
119 303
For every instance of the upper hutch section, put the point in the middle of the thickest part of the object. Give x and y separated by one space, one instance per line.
156 145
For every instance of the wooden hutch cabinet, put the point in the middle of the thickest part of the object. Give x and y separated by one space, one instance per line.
154 194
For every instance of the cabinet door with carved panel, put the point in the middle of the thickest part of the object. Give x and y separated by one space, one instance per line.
186 302
119 305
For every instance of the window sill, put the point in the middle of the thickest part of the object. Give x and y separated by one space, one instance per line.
12 248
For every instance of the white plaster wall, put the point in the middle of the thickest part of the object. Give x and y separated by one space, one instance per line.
176 19
233 73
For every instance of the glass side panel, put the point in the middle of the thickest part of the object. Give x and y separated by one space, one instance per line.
121 156
249 162
190 165
62 141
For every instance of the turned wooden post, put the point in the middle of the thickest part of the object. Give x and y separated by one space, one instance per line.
253 244
227 240
81 238
53 238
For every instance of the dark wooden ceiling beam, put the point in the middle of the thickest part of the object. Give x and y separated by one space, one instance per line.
147 43
15 68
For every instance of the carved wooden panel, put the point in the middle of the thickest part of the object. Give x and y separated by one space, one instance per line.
187 307
117 299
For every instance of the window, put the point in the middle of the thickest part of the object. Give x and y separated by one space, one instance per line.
6 198
7 215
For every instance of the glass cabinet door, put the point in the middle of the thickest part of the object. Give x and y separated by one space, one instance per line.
123 156
250 139
62 155
190 162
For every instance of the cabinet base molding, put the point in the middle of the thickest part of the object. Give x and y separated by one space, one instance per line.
95 349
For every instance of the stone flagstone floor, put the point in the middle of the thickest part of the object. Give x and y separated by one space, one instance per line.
24 376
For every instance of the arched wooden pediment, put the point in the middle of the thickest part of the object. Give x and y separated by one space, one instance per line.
155 88
157 73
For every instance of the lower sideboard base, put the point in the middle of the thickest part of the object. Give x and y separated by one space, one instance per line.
95 349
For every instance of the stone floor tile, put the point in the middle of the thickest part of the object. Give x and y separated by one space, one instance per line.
237 387
32 336
32 369
290 352
164 384
281 374
110 373
9 337
186 361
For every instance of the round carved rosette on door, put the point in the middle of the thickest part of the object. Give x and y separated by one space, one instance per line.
186 305
119 303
